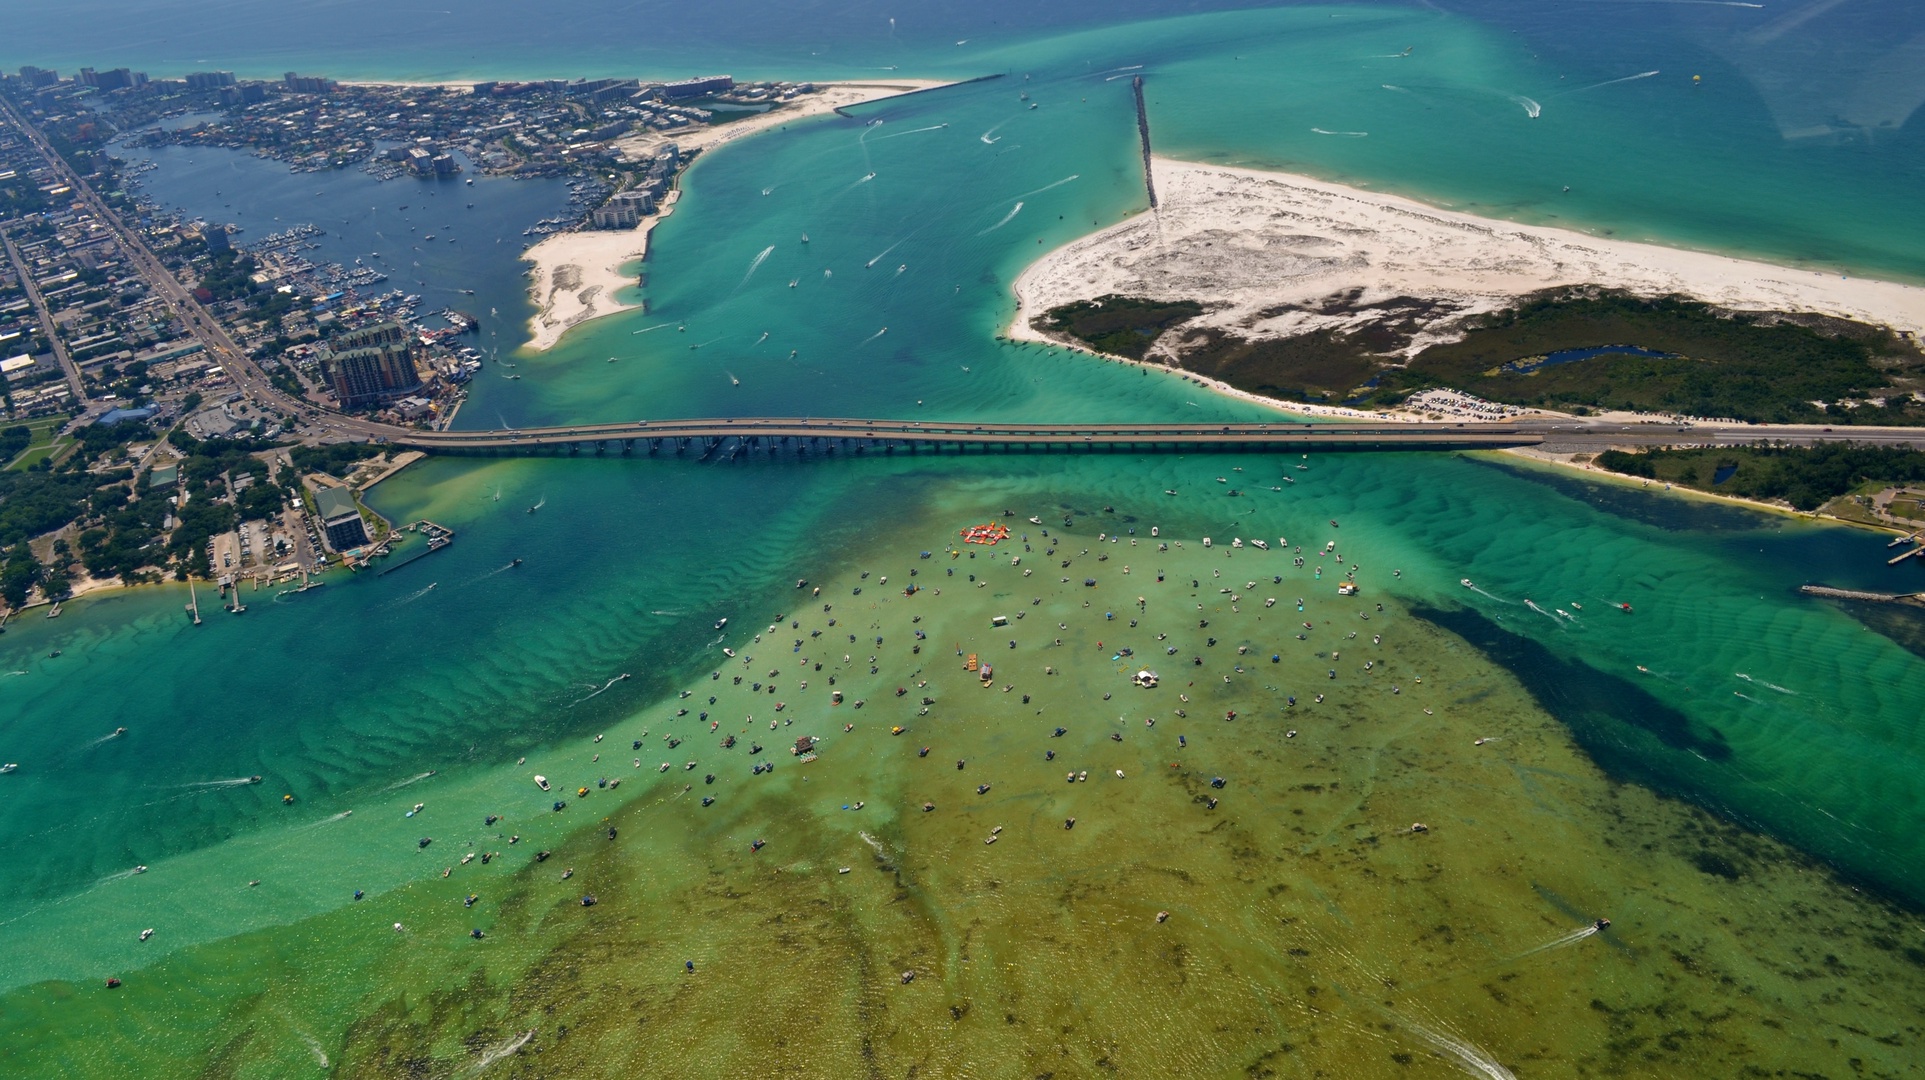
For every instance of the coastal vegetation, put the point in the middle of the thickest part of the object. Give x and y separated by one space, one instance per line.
1805 476
1118 325
1751 367
120 527
1692 358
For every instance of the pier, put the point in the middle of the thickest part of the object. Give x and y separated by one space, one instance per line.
439 536
1894 561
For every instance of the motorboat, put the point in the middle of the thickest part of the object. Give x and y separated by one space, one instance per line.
541 781
9 767
1035 521
1466 583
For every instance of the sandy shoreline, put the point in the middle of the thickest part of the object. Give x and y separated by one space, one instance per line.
577 275
1244 242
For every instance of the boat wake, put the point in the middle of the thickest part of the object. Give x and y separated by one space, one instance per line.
1766 685
881 852
1563 941
1468 1056
504 1049
313 1047
670 614
1007 218
107 738
1531 108
416 595
872 262
913 131
502 569
755 264
1345 134
399 784
1493 596
329 820
1542 612
1065 180
597 693
985 136
643 330
1612 82
874 336
201 785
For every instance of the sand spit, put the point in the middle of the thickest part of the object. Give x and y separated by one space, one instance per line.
577 275
1264 250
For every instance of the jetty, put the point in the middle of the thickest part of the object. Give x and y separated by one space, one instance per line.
1867 597
1143 133
1896 559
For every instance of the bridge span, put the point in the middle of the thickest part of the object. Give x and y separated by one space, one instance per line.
806 435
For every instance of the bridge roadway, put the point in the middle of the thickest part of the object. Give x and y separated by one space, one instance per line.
889 433
1561 434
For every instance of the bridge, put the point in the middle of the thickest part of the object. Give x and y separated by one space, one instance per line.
734 437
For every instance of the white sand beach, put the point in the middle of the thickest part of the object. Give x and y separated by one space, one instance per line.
1245 243
828 97
577 275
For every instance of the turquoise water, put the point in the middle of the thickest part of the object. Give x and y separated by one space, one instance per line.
349 696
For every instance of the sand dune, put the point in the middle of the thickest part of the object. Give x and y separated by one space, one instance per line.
1245 243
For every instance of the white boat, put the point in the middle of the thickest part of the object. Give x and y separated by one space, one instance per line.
1035 521
541 781
1466 583
147 933
1260 545
9 767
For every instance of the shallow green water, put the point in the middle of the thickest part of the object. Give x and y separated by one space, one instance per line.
345 697
1304 876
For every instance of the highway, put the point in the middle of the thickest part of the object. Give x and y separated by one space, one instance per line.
1560 434
1557 435
244 373
1014 436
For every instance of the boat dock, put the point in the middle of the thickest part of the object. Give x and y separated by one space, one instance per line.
439 536
1896 559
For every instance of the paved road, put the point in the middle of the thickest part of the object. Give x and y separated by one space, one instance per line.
46 320
245 374
1051 436
1566 435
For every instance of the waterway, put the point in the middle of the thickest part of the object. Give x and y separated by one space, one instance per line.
1727 772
